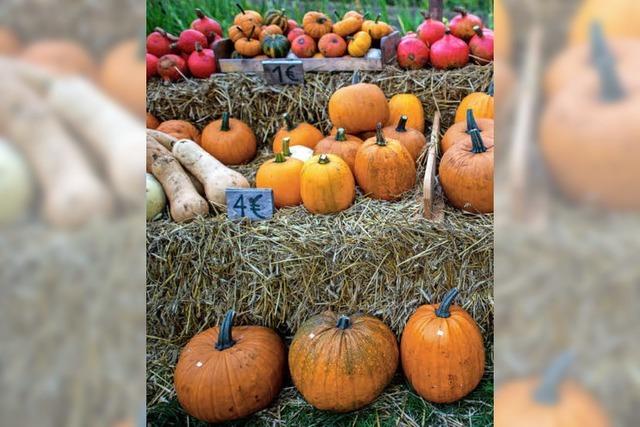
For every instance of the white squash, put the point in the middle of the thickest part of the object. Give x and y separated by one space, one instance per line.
301 152
16 185
156 199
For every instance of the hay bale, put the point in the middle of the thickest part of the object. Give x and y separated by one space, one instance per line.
249 98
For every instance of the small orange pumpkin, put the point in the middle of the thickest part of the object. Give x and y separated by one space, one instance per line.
383 168
229 140
466 175
152 122
481 103
461 132
359 44
248 46
341 363
180 129
348 25
269 30
247 19
299 134
282 175
332 45
442 352
414 141
377 29
405 104
228 361
326 184
235 33
316 24
342 145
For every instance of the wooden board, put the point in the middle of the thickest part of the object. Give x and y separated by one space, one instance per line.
432 193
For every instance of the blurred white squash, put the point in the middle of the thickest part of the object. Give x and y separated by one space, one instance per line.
301 152
156 199
16 185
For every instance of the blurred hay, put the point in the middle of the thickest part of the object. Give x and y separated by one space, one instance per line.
249 98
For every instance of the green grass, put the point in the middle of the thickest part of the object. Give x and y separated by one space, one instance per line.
397 406
176 15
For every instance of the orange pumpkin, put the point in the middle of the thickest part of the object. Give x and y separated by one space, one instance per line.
502 25
229 140
332 45
383 168
226 373
359 107
180 129
619 18
409 105
9 42
466 175
377 29
248 46
62 57
414 141
366 135
299 134
342 145
235 33
123 75
269 30
442 352
326 184
341 363
548 401
481 103
247 19
461 132
316 24
349 25
152 122
282 175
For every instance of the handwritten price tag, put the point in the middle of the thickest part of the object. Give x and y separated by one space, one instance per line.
253 203
283 72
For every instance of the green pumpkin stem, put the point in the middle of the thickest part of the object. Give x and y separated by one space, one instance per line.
477 144
445 305
253 30
241 9
377 18
461 10
337 14
402 124
379 136
343 323
285 146
365 15
279 158
547 391
225 122
289 123
341 135
472 125
324 159
597 42
224 337
611 87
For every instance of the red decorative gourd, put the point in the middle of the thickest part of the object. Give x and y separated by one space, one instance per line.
202 62
206 25
412 53
431 30
332 45
449 52
304 46
171 67
152 65
159 42
481 45
188 39
462 24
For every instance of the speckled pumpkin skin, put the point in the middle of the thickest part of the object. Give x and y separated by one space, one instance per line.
342 370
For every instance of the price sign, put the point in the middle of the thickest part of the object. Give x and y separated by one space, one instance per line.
283 72
253 203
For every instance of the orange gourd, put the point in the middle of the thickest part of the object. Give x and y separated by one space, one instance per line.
359 107
359 44
248 46
122 75
235 33
405 104
326 184
61 57
414 141
316 24
481 103
466 175
383 168
9 42
282 175
348 25
229 140
227 373
332 45
299 134
152 122
180 129
376 28
247 19
341 363
269 30
461 132
619 18
342 145
442 352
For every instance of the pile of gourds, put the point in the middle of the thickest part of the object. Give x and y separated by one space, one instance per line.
338 363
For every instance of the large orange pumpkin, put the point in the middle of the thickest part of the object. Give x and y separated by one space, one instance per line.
549 401
180 129
461 132
298 134
282 175
359 107
224 374
413 140
466 175
122 75
229 140
343 145
384 168
620 19
481 103
327 184
341 363
405 104
442 351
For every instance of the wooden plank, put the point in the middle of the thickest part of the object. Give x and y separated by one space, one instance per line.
222 49
389 47
436 9
433 202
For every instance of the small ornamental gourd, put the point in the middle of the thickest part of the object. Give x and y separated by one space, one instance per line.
481 103
405 104
383 168
461 132
303 46
277 17
326 184
282 175
299 134
235 33
343 145
547 400
348 25
180 129
248 46
332 45
155 198
359 107
269 30
229 140
376 28
316 24
247 19
442 352
341 363
466 175
414 141
226 373
359 44
276 46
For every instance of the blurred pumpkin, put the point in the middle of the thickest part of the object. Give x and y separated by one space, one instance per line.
235 33
405 104
343 145
269 30
229 140
461 132
299 152
17 188
413 140
619 18
9 42
122 75
481 103
278 18
282 175
326 184
62 57
299 133
502 24
152 122
180 129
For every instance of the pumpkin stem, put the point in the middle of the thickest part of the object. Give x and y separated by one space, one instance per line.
611 88
547 391
379 136
477 146
492 88
377 18
425 14
472 125
288 122
365 15
225 122
402 124
598 44
279 158
285 146
253 30
478 30
337 14
341 135
461 10
445 305
355 79
324 159
224 337
241 9
343 323
200 13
